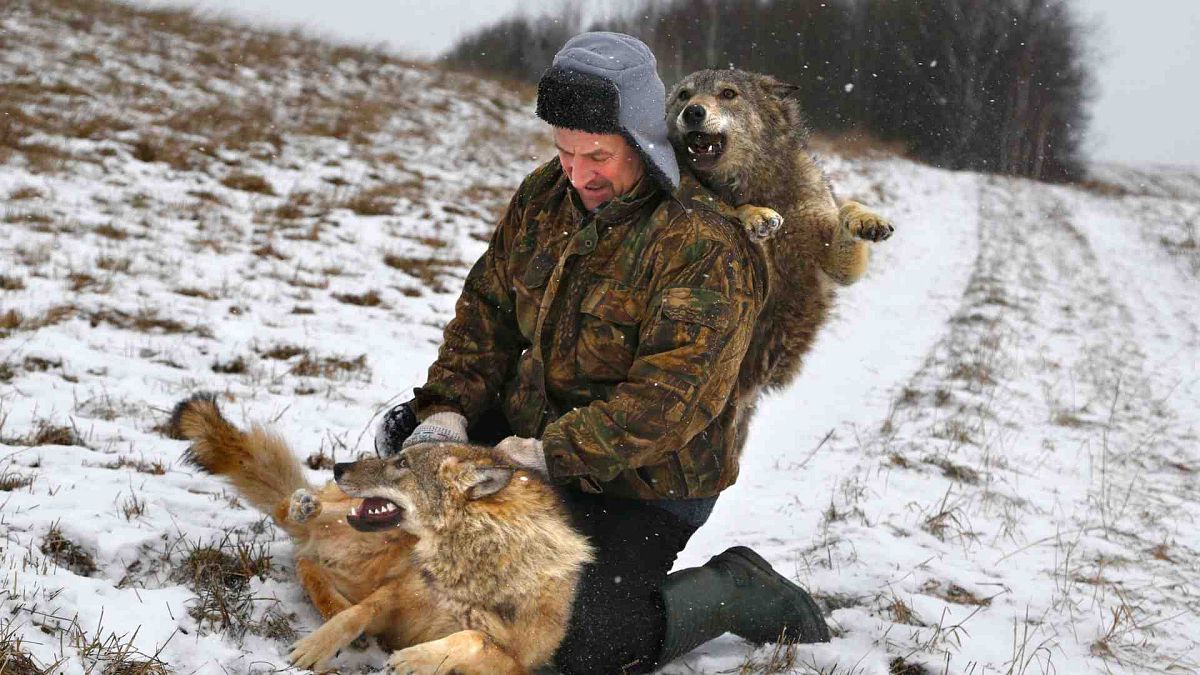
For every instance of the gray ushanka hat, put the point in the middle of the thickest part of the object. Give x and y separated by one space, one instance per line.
607 83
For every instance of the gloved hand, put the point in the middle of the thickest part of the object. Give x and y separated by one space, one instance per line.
443 427
526 453
398 429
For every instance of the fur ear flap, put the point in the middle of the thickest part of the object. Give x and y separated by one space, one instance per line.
784 90
488 480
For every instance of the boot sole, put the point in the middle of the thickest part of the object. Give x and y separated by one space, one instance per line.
815 631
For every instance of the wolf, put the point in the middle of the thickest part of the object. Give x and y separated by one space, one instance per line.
743 136
457 561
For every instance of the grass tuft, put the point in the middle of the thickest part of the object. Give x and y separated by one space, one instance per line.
11 480
370 298
219 573
67 553
329 366
248 182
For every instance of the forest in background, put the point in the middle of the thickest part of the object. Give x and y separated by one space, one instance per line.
990 85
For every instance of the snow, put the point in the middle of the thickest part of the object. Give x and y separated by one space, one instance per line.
987 465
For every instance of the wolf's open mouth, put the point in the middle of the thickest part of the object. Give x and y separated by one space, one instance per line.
374 514
704 149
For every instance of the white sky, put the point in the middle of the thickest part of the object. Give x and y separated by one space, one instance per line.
1149 56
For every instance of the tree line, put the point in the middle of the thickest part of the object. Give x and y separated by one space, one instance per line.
990 85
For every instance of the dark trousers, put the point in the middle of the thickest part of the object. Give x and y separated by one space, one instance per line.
618 622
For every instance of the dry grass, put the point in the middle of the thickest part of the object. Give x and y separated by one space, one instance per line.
141 465
954 471
219 573
898 666
11 480
381 199
14 659
329 367
25 192
268 250
67 553
954 593
10 321
301 204
11 283
81 281
114 264
169 150
46 433
192 292
320 461
146 320
428 270
282 352
110 231
248 182
234 366
369 298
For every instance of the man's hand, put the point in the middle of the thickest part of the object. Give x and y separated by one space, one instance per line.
524 452
390 439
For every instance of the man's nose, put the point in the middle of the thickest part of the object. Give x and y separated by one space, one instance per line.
582 172
694 114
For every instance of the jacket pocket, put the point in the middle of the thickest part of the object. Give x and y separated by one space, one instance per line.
608 332
529 291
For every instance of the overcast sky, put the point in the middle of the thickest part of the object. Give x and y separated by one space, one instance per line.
1148 52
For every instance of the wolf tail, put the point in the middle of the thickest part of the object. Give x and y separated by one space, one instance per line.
258 463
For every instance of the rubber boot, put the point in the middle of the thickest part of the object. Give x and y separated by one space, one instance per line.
740 593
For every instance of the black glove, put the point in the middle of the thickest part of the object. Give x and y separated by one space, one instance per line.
398 430
394 427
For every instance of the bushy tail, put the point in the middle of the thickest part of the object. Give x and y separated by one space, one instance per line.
258 463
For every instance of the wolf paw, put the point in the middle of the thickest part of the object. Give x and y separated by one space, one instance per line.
313 652
760 222
863 223
418 660
303 506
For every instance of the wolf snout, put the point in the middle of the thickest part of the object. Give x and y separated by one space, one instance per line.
694 114
340 468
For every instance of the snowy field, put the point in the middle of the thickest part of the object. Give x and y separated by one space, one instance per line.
988 465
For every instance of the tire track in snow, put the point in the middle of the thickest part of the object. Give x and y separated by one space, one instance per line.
1021 508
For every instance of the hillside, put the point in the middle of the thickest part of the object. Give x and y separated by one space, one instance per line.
989 464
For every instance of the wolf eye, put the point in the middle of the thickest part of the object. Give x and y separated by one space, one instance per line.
683 95
728 94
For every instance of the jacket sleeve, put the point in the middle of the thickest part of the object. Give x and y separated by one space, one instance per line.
482 341
705 298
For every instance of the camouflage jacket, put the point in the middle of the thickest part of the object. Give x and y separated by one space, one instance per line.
614 336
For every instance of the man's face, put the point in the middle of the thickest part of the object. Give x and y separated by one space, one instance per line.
599 166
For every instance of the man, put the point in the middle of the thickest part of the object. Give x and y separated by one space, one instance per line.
602 333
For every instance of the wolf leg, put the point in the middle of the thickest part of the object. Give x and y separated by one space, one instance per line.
320 589
469 652
847 254
347 623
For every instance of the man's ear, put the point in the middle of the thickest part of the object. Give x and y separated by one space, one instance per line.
488 480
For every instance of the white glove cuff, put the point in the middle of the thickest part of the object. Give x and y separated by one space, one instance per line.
443 427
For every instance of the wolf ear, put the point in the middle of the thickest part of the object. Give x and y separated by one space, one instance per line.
783 90
488 480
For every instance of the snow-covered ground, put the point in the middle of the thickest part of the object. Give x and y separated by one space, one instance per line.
989 463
